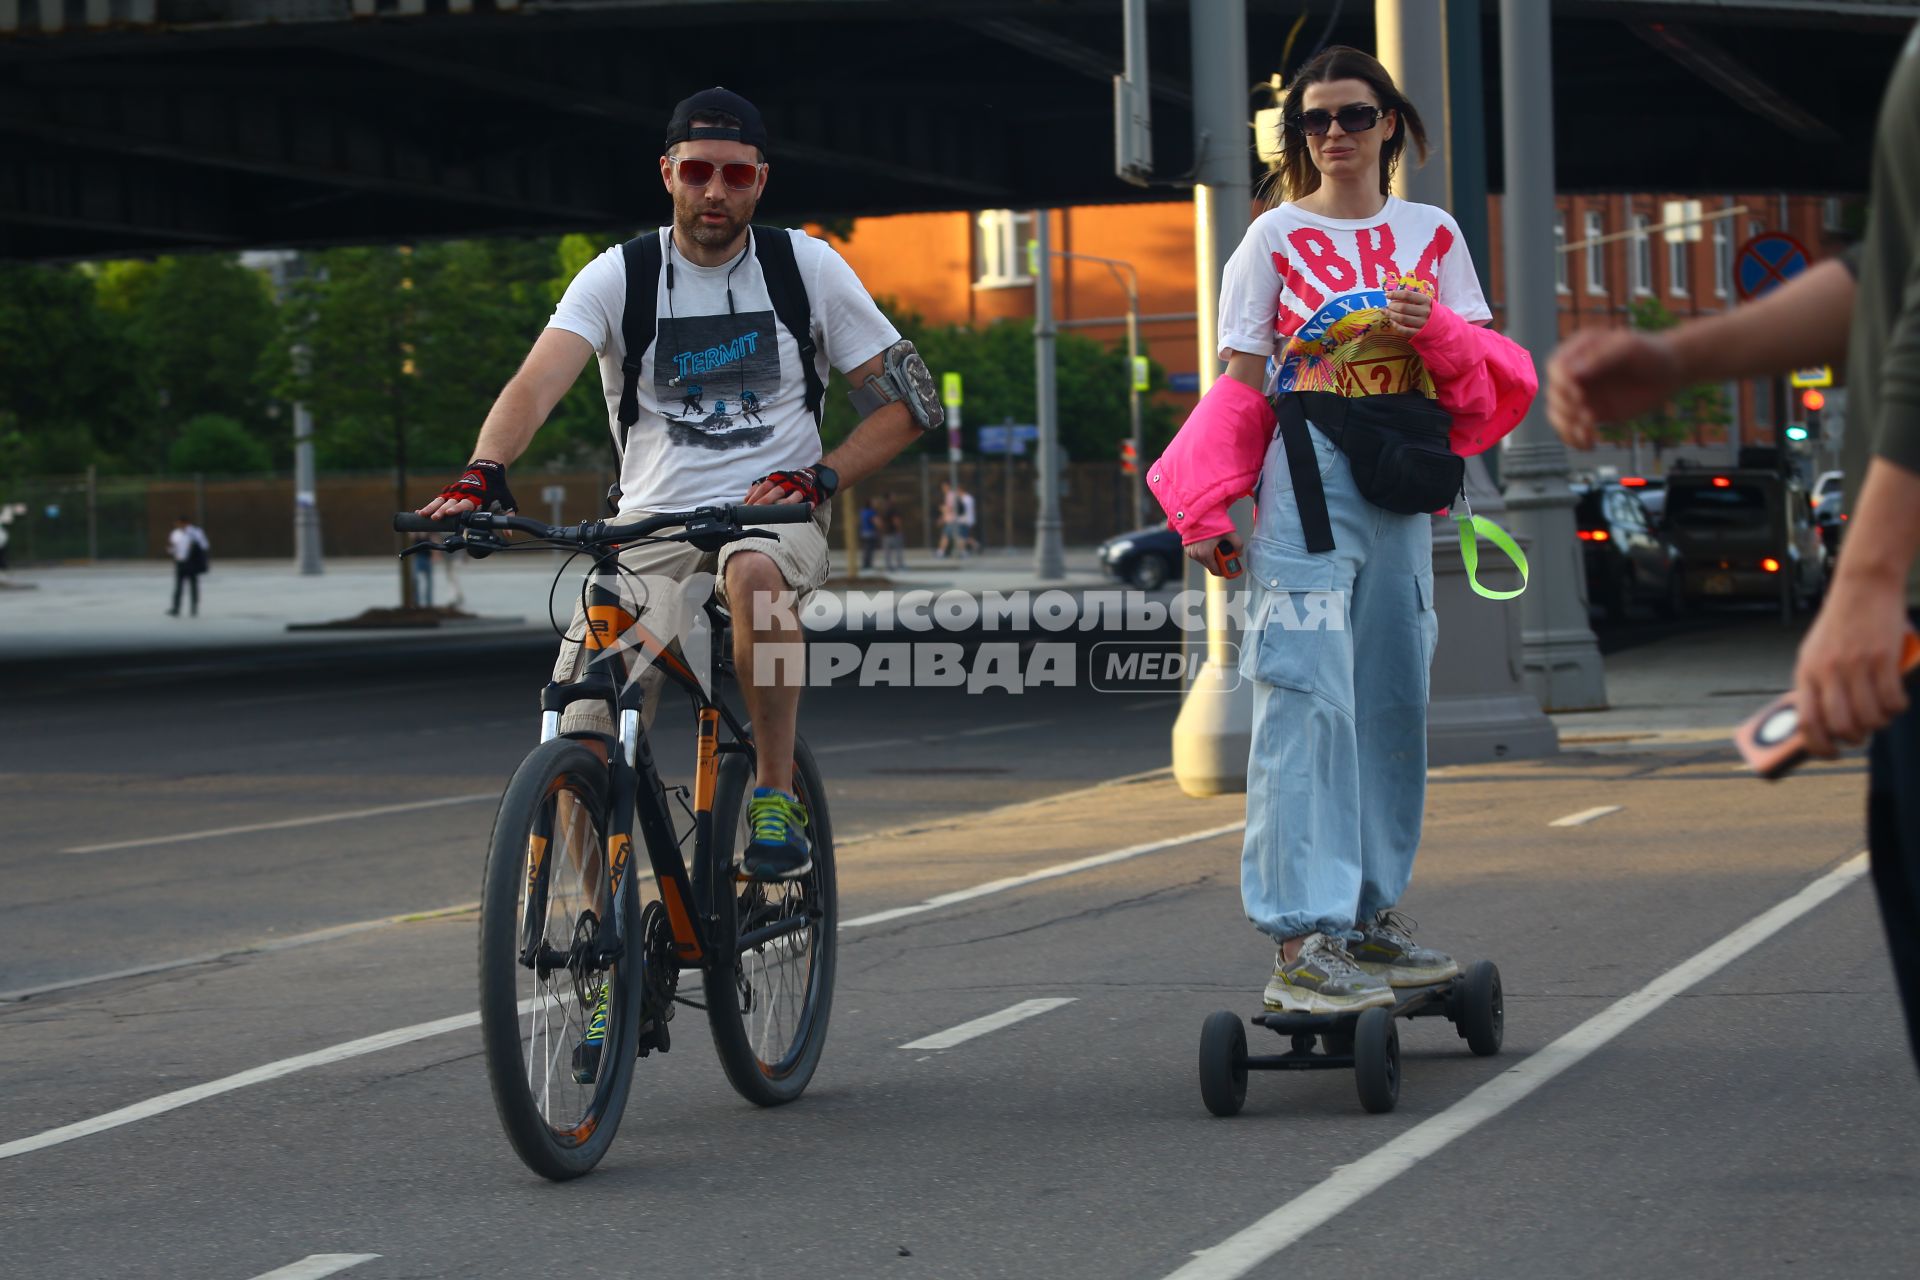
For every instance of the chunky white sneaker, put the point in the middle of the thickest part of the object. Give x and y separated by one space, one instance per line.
1387 951
1323 978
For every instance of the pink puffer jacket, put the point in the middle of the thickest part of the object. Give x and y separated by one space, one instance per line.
1484 379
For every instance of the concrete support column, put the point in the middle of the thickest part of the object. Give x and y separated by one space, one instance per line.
1215 729
1563 667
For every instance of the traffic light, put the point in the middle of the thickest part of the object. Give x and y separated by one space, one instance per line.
1812 400
1129 460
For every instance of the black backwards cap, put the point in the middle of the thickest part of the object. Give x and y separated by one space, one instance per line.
709 101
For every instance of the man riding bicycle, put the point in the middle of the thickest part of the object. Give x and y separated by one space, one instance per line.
718 288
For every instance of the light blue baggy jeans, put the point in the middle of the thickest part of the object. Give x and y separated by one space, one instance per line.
1338 655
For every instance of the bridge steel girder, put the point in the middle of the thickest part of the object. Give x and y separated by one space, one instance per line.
230 123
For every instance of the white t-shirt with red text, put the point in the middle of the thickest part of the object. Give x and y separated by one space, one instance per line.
1310 292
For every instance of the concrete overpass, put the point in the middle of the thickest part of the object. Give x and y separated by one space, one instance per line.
141 126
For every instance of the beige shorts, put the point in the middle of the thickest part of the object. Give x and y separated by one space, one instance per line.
799 551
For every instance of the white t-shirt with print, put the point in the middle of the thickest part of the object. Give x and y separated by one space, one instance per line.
722 397
1310 292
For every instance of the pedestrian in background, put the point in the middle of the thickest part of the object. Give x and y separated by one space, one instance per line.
1359 313
968 511
893 533
7 513
869 533
949 521
1865 311
187 544
422 574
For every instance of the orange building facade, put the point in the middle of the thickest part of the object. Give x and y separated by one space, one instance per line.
971 268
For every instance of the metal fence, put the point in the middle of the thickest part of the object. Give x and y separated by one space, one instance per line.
84 518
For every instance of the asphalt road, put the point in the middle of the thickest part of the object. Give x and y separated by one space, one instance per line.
1761 1121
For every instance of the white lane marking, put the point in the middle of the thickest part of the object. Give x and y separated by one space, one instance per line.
264 946
864 746
1001 728
227 1084
992 1022
1585 816
286 823
930 737
1350 1184
955 819
407 1035
316 1265
1045 873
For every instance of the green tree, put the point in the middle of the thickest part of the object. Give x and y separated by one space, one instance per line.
215 445
193 331
66 398
1688 414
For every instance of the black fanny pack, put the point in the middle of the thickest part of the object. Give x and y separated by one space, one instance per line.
1396 444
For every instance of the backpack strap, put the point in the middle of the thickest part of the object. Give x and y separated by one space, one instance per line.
637 322
774 247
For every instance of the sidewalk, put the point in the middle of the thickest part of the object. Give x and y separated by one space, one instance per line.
1693 686
120 607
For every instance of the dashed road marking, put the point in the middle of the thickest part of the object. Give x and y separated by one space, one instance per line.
286 823
316 1265
992 1022
1585 816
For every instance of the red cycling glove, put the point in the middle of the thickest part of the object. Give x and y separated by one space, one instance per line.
484 483
812 485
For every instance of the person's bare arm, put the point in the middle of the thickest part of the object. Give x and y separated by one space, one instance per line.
1609 375
1847 680
878 440
548 372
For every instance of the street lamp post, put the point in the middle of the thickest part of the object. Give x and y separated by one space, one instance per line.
1129 285
1049 556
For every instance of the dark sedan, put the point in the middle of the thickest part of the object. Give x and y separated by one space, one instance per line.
1628 561
1145 558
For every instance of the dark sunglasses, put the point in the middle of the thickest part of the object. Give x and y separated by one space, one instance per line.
1357 118
739 175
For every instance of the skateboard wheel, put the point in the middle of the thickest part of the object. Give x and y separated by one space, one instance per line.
1337 1043
1376 1060
1483 1018
1223 1063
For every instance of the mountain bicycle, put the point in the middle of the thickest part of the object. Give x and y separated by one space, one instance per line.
571 934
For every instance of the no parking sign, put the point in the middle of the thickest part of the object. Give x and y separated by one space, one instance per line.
1766 262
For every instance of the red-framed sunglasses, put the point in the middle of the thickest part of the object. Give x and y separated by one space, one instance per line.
738 175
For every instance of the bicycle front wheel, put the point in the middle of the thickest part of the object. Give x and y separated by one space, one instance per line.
558 1090
768 1005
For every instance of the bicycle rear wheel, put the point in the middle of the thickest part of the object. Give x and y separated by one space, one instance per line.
768 1007
546 891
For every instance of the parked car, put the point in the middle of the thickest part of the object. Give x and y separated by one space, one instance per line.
1741 533
1830 522
1628 560
1652 492
1830 482
1145 558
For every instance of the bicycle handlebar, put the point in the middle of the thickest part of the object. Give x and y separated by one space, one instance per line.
598 531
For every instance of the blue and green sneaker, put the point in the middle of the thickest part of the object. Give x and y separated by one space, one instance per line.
780 849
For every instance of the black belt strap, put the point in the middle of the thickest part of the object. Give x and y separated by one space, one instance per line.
1306 475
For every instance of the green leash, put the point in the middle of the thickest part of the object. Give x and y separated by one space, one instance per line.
1471 528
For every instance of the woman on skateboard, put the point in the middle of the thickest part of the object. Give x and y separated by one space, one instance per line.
1357 378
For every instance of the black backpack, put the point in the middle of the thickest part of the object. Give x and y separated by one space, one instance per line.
774 249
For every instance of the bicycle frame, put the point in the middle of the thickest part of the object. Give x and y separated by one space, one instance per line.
637 792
